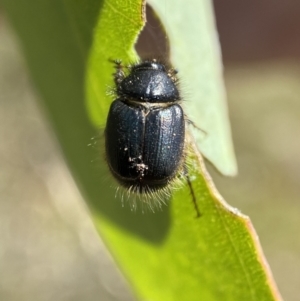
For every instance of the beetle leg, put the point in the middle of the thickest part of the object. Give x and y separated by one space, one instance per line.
119 74
190 122
186 174
172 74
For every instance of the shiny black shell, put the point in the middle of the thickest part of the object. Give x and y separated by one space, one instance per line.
149 82
145 130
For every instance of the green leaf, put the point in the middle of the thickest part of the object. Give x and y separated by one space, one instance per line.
196 54
169 255
111 42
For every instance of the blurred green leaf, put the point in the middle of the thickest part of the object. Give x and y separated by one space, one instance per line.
195 51
169 255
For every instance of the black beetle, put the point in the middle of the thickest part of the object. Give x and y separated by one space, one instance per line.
145 130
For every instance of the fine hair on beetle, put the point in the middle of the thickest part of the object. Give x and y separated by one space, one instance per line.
146 139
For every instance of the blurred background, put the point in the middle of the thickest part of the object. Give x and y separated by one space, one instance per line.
49 248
